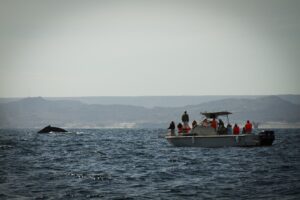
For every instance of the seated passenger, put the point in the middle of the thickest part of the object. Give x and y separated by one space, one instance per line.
194 124
248 127
179 127
229 129
244 130
221 128
214 123
205 123
221 123
186 129
236 130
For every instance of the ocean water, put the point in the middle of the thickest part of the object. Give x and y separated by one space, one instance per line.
140 164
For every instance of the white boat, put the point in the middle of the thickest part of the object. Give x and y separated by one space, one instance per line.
201 136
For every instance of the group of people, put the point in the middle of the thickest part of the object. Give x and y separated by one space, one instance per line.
246 129
184 126
218 126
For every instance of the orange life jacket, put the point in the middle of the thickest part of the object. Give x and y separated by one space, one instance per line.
214 124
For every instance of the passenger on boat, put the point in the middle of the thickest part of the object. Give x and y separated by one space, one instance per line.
172 128
229 129
205 123
221 123
194 124
186 129
236 130
221 128
185 119
179 127
214 123
248 127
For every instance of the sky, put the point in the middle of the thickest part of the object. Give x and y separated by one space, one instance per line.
149 48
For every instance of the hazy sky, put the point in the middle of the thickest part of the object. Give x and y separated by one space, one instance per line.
134 48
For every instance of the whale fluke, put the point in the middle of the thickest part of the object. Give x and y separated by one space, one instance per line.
49 129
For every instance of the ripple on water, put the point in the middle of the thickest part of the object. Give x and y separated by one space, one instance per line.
140 164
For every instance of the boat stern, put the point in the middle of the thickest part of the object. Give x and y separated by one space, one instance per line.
266 138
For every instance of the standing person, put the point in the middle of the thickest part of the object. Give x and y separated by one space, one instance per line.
172 128
248 127
185 119
236 130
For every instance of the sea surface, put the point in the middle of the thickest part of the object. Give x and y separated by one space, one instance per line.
140 164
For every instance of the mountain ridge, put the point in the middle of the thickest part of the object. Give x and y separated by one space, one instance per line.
38 112
158 101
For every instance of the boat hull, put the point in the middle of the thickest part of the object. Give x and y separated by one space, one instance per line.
246 140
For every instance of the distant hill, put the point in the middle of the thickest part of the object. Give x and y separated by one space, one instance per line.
157 101
39 112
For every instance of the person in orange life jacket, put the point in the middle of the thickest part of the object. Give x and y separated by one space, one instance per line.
248 127
236 130
172 128
214 123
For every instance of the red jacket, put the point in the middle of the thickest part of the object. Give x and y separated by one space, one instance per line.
248 127
236 130
214 124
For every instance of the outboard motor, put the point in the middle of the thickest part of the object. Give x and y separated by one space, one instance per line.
266 138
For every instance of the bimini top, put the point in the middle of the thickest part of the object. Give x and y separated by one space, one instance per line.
215 114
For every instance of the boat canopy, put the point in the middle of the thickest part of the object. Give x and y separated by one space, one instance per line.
215 114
